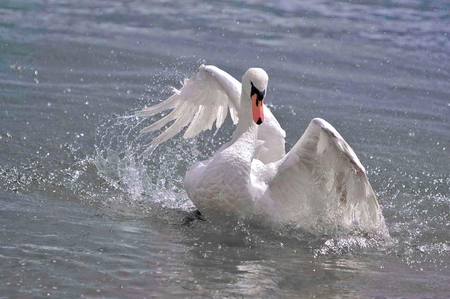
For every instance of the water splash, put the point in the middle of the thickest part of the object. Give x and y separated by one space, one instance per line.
125 160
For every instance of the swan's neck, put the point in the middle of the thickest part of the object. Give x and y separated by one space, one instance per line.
245 136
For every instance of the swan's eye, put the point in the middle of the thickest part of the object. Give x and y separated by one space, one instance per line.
260 94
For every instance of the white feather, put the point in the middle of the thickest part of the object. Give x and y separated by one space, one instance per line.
321 180
205 98
201 101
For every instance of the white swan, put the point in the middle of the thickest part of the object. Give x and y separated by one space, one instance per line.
319 184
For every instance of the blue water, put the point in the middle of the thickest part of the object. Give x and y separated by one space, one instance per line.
84 212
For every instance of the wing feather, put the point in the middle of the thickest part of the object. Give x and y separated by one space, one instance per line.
204 98
322 183
170 103
182 121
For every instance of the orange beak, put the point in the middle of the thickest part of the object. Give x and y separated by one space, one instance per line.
257 109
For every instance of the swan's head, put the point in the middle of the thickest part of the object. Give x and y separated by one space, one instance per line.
254 85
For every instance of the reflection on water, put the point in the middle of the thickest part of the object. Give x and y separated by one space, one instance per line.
85 211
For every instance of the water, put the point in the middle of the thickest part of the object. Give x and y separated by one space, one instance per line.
86 212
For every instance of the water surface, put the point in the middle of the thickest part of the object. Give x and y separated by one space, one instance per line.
85 212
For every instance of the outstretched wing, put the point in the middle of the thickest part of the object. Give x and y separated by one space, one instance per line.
204 98
321 184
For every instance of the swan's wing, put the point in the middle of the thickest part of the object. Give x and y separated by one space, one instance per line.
321 184
203 99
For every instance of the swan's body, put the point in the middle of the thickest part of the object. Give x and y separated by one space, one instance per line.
319 183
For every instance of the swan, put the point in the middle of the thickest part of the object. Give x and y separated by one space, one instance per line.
320 184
